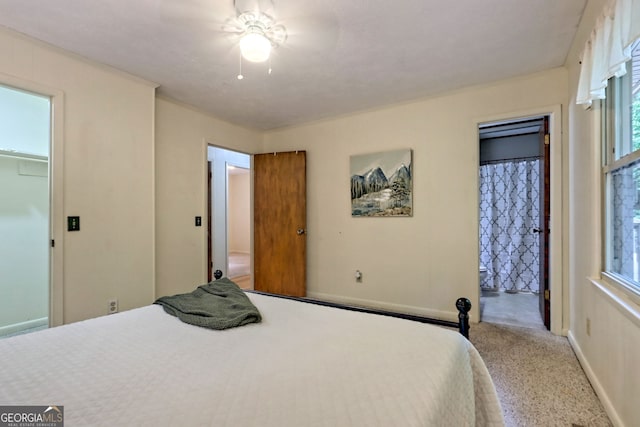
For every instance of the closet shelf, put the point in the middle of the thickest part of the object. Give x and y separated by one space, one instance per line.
25 156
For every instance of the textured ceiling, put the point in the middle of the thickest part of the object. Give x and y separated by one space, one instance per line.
340 56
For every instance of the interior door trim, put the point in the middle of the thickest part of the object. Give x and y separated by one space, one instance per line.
56 191
558 268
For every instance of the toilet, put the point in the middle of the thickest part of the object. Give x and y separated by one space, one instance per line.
483 273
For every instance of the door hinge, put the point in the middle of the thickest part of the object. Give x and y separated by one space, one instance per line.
547 140
53 243
546 294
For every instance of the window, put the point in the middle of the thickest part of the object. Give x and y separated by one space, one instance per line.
621 167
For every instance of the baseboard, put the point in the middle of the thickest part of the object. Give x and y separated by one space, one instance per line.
17 327
398 308
593 379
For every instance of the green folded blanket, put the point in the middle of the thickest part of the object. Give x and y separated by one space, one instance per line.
220 304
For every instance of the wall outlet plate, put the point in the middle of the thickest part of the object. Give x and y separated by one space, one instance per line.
112 306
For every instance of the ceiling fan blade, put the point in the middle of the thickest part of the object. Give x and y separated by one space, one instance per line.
232 26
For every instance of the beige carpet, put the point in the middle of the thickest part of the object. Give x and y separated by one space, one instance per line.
538 377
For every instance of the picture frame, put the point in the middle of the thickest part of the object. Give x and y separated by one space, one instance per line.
382 184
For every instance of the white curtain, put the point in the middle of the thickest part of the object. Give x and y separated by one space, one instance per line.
509 211
608 48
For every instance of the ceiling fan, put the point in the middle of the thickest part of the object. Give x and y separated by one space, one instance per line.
256 28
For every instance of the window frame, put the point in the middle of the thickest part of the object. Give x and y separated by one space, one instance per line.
613 132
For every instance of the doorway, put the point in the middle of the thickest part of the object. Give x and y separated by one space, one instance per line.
25 145
276 221
239 225
513 216
230 215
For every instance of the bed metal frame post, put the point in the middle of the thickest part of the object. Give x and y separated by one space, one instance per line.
463 305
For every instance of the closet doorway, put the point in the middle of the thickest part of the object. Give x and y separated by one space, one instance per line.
25 142
229 222
514 211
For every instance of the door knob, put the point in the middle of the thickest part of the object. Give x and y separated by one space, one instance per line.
537 230
300 231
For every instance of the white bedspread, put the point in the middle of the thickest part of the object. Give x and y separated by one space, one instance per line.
304 365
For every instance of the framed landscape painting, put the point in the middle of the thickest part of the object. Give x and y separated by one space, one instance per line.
382 184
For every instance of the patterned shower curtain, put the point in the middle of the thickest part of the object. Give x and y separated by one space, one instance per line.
509 211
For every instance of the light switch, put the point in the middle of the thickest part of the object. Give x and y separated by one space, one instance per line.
198 221
73 223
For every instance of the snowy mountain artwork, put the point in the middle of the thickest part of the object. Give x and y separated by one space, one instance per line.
381 184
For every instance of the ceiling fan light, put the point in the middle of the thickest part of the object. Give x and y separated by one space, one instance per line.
255 47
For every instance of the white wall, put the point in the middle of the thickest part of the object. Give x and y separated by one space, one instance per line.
24 246
419 264
240 212
182 135
108 174
611 353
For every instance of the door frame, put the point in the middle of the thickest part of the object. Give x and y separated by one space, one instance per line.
558 284
56 191
544 302
209 244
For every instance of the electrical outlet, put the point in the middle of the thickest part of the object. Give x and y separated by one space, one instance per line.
113 306
588 327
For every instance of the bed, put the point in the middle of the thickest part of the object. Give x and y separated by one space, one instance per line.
302 365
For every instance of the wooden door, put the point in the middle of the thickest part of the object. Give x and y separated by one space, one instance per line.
545 215
279 215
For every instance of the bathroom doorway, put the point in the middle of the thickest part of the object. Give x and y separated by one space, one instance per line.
513 213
